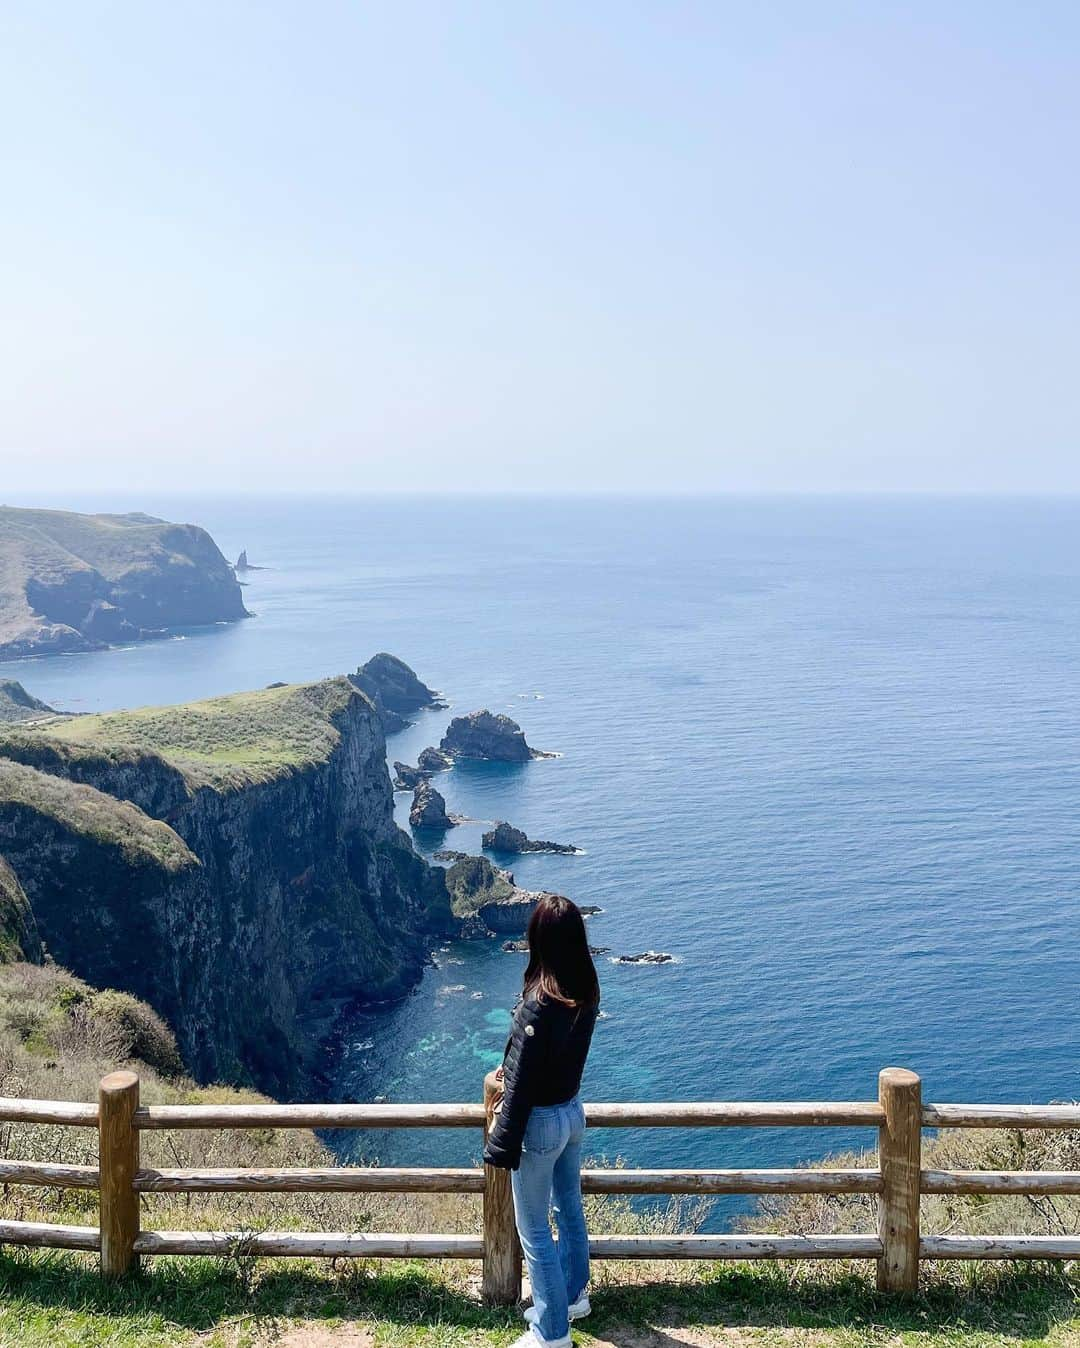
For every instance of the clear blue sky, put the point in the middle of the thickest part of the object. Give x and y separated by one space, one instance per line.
540 246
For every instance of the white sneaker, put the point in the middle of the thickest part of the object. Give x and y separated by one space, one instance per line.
533 1339
577 1309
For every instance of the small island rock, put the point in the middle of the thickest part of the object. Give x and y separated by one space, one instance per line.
505 837
521 947
646 957
406 777
433 760
485 735
428 808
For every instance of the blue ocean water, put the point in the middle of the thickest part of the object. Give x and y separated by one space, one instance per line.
825 751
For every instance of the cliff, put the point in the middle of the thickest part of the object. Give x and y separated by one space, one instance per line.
234 863
72 582
16 704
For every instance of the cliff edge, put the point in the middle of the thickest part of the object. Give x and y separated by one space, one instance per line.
233 862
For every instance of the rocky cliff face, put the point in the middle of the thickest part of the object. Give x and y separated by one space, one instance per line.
248 894
76 582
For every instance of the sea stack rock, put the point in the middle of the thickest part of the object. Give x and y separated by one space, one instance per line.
505 837
433 760
485 735
394 689
646 957
242 563
406 777
429 808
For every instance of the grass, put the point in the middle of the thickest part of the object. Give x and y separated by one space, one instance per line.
239 739
58 1299
90 812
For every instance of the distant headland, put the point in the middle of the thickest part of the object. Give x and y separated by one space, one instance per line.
71 582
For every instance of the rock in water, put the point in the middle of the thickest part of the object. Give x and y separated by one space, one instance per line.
242 562
395 690
406 778
506 838
71 582
646 957
485 735
16 704
488 899
433 760
521 947
429 808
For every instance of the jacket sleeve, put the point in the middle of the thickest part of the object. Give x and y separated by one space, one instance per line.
522 1068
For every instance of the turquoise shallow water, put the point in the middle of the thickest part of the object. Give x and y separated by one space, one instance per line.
826 752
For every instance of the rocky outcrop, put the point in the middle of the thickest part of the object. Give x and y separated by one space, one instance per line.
247 881
506 838
16 704
71 582
485 735
242 564
488 898
394 689
433 760
521 947
429 809
646 957
406 778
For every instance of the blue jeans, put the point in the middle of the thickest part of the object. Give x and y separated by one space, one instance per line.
550 1172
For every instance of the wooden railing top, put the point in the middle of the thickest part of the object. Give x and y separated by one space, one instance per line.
672 1114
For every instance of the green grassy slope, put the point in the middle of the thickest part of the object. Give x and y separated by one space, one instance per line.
239 738
84 811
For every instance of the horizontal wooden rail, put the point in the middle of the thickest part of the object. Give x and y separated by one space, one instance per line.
798 1181
14 1110
1001 1116
735 1247
48 1176
1001 1182
43 1235
732 1114
1000 1247
329 1179
309 1116
305 1245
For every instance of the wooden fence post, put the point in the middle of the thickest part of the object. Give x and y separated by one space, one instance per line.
900 1159
502 1249
118 1160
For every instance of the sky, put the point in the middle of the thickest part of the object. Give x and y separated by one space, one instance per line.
544 247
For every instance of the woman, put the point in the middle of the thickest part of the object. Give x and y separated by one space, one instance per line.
538 1127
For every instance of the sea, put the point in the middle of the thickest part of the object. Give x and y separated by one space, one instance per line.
824 751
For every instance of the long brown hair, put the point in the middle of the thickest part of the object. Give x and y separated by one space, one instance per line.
560 967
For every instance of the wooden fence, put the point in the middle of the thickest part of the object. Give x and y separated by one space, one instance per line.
898 1115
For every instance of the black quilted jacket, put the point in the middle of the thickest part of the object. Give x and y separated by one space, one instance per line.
544 1059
